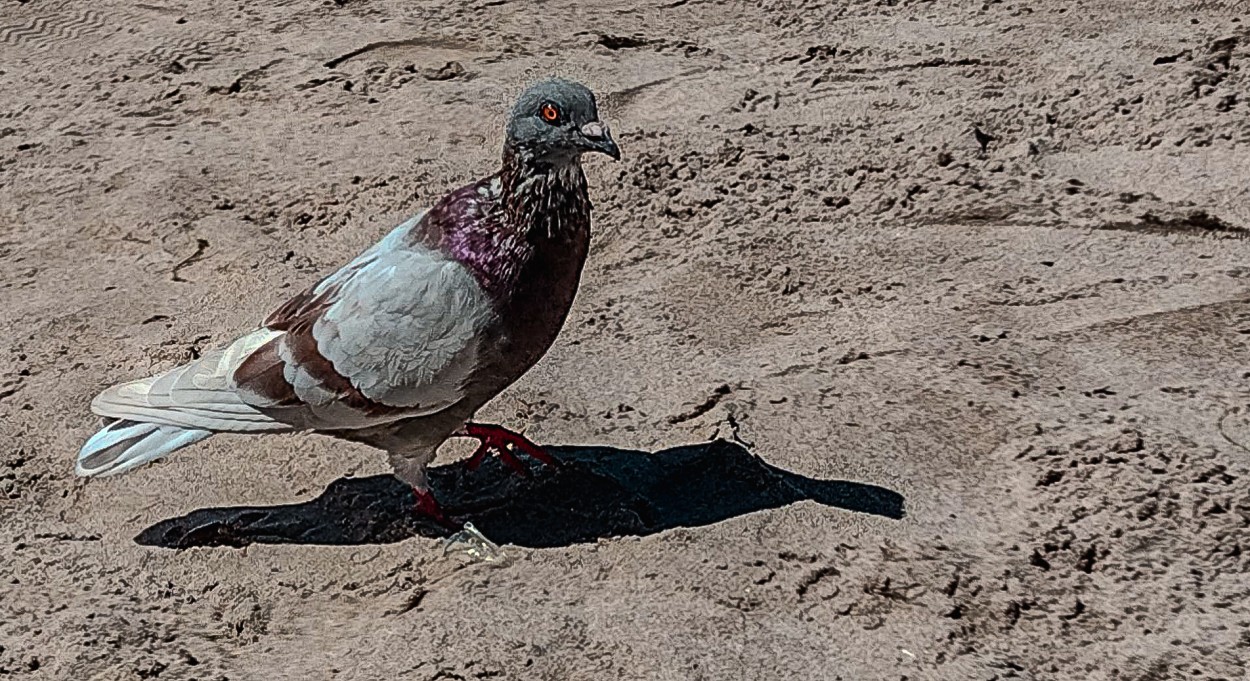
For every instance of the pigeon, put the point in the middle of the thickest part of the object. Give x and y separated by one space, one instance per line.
400 347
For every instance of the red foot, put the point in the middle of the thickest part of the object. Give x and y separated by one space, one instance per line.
428 506
506 444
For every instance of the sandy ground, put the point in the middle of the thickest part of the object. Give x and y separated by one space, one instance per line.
967 277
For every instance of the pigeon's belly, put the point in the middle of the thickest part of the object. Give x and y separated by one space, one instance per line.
531 318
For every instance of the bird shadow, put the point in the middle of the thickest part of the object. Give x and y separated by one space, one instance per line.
595 492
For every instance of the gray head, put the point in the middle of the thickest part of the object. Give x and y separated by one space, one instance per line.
556 120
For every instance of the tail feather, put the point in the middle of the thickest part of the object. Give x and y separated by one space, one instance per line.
123 444
194 396
151 417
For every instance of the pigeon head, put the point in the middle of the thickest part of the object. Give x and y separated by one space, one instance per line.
556 121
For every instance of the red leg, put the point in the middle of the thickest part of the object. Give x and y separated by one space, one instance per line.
428 506
506 443
505 455
478 457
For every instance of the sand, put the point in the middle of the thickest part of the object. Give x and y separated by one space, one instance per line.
912 344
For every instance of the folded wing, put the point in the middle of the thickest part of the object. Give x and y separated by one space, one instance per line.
398 337
393 334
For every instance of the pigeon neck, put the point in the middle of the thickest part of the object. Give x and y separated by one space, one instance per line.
548 198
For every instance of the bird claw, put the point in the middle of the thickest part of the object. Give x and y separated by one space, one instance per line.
507 445
505 455
474 461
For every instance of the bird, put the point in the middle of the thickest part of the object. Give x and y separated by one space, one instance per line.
400 347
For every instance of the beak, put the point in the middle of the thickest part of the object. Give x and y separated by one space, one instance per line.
596 137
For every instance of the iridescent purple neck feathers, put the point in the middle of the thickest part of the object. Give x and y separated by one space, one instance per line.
530 212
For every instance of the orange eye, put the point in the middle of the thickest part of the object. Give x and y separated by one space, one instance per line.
549 113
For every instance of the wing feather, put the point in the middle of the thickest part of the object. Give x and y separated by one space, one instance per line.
393 334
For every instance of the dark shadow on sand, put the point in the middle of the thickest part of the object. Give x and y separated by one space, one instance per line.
598 492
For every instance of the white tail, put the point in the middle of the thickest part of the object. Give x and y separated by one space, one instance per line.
152 417
197 395
122 445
